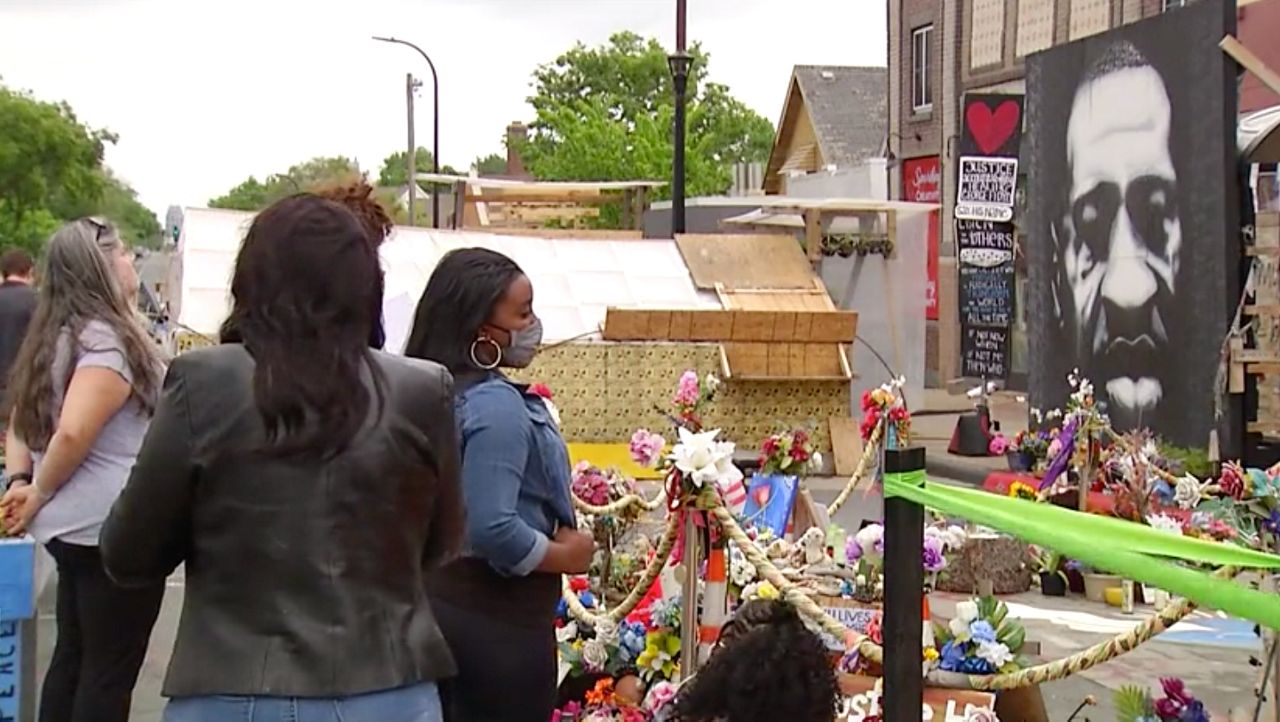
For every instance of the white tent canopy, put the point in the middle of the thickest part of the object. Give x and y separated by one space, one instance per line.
574 280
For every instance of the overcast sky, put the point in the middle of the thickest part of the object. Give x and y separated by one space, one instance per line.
205 93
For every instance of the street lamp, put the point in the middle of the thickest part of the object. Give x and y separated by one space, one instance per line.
680 62
435 130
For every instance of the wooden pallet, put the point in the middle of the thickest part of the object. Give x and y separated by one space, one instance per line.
1258 355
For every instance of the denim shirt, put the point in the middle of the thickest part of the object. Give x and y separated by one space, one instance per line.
515 475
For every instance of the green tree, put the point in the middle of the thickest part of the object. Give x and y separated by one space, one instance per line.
490 165
395 167
138 225
253 195
605 113
50 166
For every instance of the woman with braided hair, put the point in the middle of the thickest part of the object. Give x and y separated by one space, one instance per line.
767 666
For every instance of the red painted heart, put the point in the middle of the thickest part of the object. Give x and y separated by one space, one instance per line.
991 130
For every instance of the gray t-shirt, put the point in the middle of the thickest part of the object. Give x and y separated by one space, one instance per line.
76 513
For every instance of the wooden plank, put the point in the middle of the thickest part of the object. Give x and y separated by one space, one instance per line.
659 326
742 261
681 324
711 325
813 235
752 326
1235 381
624 324
1250 62
1262 368
577 234
1253 355
818 327
1262 309
846 443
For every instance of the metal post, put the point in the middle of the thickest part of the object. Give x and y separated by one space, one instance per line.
689 613
680 71
435 132
903 610
412 158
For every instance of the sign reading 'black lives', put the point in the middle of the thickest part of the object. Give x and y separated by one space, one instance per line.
986 296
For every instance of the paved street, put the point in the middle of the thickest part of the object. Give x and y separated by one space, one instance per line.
1212 655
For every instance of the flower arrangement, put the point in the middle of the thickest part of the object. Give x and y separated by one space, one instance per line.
692 396
608 701
1136 704
864 551
789 452
1019 490
886 403
646 448
660 657
981 639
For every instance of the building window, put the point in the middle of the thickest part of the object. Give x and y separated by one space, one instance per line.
921 86
1267 191
1167 5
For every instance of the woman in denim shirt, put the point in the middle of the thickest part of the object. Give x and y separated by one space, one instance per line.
496 604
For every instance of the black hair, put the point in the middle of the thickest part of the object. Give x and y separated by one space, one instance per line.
769 666
306 323
465 286
16 262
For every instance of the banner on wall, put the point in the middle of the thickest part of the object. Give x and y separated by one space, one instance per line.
922 183
1134 219
986 290
987 174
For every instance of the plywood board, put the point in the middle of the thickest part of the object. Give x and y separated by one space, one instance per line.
764 360
745 261
846 443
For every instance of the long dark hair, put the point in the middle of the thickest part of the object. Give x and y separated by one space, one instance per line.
79 286
768 667
305 284
358 197
459 299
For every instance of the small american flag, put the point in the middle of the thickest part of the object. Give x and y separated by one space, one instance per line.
735 495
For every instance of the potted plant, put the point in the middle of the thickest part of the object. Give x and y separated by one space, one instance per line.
1053 580
1027 450
1075 576
1097 583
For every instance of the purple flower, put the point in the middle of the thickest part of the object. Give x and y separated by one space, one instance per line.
1272 523
1194 712
934 560
852 549
1168 709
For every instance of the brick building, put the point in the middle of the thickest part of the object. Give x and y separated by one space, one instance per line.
941 49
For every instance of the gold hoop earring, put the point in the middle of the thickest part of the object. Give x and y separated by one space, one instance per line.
497 353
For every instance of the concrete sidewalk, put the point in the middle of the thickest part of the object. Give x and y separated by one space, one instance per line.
933 424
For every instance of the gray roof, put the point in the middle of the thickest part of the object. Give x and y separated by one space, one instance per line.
849 109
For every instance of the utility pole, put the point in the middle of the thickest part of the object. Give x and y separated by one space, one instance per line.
410 85
435 127
679 62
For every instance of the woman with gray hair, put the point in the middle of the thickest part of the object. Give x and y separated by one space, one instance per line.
83 388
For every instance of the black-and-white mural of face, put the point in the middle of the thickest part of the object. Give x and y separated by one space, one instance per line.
1120 241
1132 222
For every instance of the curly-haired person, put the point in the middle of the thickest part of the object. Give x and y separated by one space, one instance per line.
768 666
358 197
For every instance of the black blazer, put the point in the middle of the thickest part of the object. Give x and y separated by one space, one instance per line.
304 578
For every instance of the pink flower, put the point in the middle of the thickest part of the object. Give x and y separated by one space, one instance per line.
646 447
1055 448
998 445
660 695
688 391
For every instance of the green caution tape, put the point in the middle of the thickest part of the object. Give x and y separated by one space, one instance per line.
1135 551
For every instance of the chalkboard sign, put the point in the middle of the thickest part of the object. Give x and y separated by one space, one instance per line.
985 352
987 188
986 289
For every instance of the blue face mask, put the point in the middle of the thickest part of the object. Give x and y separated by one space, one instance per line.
524 345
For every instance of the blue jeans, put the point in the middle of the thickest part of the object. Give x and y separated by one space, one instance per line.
416 703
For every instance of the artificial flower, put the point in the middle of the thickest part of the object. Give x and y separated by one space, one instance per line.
1232 482
594 655
1187 492
711 382
967 611
660 695
871 539
960 630
951 656
853 550
761 590
607 634
1019 490
998 445
981 631
602 693
994 653
703 459
579 584
1165 523
687 391
646 447
875 629
980 714
934 560
567 633
659 655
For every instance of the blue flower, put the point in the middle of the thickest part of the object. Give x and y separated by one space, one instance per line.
1272 523
562 609
632 638
1194 712
976 665
1163 490
982 631
952 656
588 600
